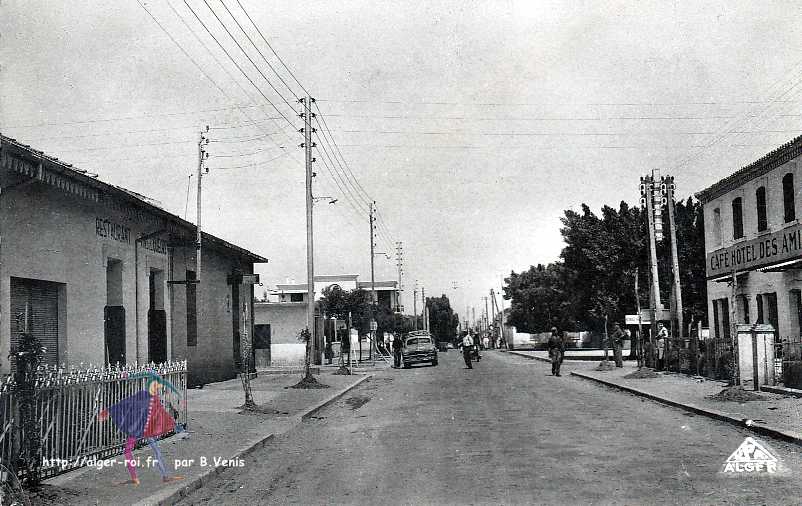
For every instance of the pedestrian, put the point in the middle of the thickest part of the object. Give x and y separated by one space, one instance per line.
556 351
467 348
397 345
387 343
662 337
486 342
616 341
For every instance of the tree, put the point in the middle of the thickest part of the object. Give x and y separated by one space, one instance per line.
443 321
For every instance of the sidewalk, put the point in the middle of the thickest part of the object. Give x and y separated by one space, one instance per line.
572 354
777 416
217 434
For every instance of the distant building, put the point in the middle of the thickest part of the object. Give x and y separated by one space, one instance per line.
102 274
280 322
752 228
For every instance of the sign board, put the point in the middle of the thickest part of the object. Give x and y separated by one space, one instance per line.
250 279
373 325
646 317
766 250
243 279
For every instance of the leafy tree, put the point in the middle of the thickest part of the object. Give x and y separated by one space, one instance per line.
340 303
443 321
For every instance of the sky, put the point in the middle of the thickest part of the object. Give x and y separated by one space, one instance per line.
473 125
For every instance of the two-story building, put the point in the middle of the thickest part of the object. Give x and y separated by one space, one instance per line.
103 275
279 321
753 230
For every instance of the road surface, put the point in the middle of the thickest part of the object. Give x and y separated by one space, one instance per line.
506 432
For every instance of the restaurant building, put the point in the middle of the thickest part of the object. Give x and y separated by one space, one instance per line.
105 275
753 230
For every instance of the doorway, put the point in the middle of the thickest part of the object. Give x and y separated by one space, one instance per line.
157 318
114 314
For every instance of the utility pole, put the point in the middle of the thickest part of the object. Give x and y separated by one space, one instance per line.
423 310
667 187
372 278
202 155
415 305
487 315
399 257
307 115
648 201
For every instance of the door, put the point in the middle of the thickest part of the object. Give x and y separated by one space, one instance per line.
114 314
157 318
236 314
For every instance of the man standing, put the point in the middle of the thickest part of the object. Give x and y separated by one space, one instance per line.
556 351
467 346
397 345
616 340
662 337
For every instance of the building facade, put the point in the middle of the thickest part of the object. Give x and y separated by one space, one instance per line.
281 320
103 275
753 230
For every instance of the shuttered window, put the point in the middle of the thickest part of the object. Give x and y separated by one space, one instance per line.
41 299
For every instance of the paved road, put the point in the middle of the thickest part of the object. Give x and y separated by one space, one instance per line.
506 432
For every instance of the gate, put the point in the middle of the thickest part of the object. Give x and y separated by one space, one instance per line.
788 361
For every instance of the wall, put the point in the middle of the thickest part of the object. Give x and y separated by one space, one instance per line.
286 320
54 236
755 282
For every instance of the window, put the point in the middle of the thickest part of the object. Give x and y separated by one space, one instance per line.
760 199
717 226
789 207
743 308
737 218
192 310
296 297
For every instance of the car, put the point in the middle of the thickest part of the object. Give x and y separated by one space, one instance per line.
418 347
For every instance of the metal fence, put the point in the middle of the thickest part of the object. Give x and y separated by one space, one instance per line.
710 357
67 405
788 361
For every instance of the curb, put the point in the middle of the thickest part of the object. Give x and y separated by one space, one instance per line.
787 436
567 357
169 497
309 413
530 357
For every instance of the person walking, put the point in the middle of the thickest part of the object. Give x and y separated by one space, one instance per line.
467 348
397 345
616 341
556 351
486 342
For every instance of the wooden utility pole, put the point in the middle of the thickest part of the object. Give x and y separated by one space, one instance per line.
423 309
415 306
372 279
310 262
672 227
735 376
201 159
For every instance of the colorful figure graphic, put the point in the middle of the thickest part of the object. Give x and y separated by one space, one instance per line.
142 415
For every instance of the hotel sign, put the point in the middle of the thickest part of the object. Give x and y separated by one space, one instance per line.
763 251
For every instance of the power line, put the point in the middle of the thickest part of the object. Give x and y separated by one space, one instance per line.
222 2
273 50
249 59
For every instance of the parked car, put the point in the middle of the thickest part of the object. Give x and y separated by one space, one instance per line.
418 347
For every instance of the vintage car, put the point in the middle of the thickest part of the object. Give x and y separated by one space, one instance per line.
418 347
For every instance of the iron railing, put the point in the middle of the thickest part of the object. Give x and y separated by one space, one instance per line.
67 405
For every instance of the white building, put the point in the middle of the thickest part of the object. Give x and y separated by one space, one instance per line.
752 228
